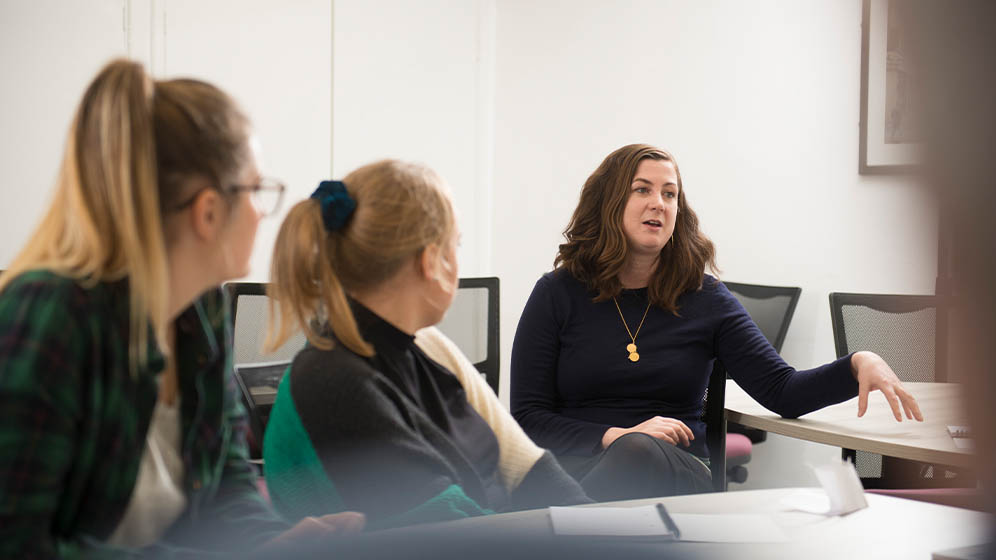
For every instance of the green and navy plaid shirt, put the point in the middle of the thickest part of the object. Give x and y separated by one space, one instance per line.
74 421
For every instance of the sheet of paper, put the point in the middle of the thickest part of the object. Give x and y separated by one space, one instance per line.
842 486
642 521
809 501
728 528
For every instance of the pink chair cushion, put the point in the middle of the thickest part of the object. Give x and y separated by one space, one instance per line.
738 448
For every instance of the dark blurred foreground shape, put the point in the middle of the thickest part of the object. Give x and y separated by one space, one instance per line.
957 55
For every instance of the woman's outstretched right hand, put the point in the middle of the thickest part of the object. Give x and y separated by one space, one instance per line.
670 430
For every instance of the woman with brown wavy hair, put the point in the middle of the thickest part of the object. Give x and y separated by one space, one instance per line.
614 348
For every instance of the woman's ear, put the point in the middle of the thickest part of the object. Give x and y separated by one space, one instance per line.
207 214
428 262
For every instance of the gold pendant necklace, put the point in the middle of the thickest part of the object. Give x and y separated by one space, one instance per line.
631 347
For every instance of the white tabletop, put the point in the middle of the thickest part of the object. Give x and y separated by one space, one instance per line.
889 528
877 432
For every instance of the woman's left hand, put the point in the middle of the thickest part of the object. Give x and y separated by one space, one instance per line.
872 373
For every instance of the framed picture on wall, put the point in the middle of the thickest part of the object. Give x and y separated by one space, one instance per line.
890 124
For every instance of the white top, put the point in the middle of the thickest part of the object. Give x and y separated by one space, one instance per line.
157 499
516 452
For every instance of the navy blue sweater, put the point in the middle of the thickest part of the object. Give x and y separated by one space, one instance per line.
572 379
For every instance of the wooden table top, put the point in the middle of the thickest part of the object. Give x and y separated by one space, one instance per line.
876 432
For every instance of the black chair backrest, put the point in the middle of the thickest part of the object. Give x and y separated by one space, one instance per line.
900 328
257 374
771 308
472 324
250 308
715 419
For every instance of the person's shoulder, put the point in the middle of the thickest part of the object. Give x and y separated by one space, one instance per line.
711 284
43 280
707 296
560 280
559 289
436 346
717 296
339 367
214 301
339 360
46 289
212 308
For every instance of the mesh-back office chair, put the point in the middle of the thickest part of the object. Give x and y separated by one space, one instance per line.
472 324
901 329
257 374
771 308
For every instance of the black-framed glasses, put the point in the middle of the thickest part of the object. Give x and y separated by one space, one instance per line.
267 195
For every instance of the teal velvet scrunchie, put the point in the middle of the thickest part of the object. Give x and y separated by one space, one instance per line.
337 205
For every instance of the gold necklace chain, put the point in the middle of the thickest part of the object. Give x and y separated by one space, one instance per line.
631 348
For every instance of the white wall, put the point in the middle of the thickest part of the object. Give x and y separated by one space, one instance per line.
43 79
413 81
275 58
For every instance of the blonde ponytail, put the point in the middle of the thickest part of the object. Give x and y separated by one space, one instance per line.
104 223
132 145
304 282
401 208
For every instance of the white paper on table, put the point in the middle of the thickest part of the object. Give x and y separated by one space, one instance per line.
809 501
645 521
641 521
843 487
728 528
842 492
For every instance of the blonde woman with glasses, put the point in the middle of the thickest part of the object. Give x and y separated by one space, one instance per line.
121 426
380 413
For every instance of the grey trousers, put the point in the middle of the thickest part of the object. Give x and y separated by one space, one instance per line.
638 466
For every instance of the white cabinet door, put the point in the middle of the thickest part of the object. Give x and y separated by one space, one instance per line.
49 51
275 58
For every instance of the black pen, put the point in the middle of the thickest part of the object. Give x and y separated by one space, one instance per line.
668 521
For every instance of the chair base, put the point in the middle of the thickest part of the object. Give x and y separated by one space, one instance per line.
738 453
736 474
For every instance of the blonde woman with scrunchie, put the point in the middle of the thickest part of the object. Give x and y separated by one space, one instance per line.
380 413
